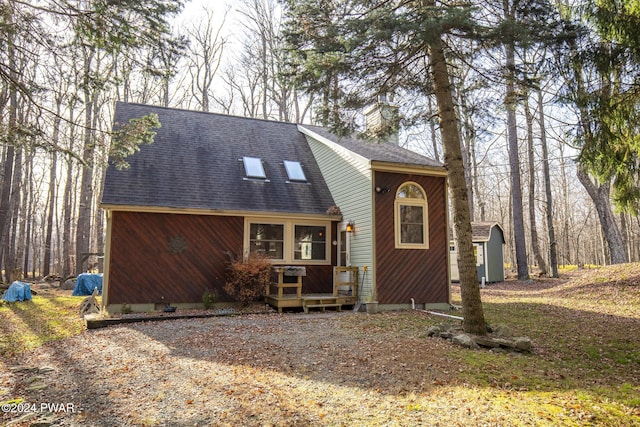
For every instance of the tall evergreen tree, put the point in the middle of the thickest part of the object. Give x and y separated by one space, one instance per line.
600 65
351 51
611 100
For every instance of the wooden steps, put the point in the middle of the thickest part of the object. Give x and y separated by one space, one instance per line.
345 291
321 302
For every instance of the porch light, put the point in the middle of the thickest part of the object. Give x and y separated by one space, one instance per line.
350 227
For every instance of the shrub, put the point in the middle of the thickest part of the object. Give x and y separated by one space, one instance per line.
209 298
248 279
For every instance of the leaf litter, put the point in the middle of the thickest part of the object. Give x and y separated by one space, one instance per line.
344 369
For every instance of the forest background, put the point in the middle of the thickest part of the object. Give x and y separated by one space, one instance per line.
551 119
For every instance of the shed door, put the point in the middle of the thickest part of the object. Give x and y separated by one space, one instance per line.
453 260
480 261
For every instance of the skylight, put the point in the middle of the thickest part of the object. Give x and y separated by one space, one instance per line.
253 167
294 171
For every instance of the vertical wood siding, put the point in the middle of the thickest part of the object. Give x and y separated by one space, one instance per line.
174 258
402 274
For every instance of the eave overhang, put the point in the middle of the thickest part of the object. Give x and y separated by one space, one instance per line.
218 212
381 166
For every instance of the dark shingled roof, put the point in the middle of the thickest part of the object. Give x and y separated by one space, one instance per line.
481 231
376 151
194 163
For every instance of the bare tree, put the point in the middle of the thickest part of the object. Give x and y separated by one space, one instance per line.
206 48
533 228
553 245
514 161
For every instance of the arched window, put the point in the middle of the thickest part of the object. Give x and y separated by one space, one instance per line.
411 217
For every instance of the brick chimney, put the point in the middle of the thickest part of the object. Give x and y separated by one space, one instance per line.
381 120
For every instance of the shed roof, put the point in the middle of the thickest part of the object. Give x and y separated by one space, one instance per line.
481 231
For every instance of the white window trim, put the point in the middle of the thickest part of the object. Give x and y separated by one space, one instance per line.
247 237
404 201
289 239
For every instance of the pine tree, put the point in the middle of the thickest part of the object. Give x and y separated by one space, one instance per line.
349 52
599 65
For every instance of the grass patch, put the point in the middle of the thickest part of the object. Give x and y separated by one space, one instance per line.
29 324
585 368
365 369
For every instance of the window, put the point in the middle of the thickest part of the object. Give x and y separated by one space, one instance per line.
310 242
267 239
411 225
253 167
294 171
289 241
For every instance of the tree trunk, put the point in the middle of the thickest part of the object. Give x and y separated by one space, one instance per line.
26 215
553 246
600 194
566 238
471 303
46 270
535 245
67 265
5 202
624 230
83 232
514 165
13 264
432 130
482 205
68 204
7 175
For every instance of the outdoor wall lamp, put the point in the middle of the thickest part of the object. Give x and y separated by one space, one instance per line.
350 227
382 190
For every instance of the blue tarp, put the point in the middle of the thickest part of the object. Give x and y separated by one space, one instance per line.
18 291
86 282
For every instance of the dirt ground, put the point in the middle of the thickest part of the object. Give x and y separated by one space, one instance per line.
289 369
333 369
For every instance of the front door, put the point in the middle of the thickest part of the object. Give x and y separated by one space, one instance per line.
344 246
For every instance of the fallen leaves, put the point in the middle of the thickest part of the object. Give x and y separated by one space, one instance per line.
352 369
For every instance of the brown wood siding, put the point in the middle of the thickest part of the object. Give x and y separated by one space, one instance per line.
149 266
402 274
174 258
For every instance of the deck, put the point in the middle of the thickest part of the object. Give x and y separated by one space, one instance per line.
345 291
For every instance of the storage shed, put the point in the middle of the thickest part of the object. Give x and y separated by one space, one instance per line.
488 242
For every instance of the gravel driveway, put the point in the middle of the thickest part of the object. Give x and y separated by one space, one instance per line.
263 370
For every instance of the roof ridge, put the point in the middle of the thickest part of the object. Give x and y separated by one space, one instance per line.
211 113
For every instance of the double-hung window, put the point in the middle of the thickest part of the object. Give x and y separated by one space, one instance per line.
267 240
310 242
411 217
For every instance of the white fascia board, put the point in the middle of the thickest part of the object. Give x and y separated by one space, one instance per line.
339 149
408 168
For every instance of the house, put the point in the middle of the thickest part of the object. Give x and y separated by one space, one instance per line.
488 241
212 184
